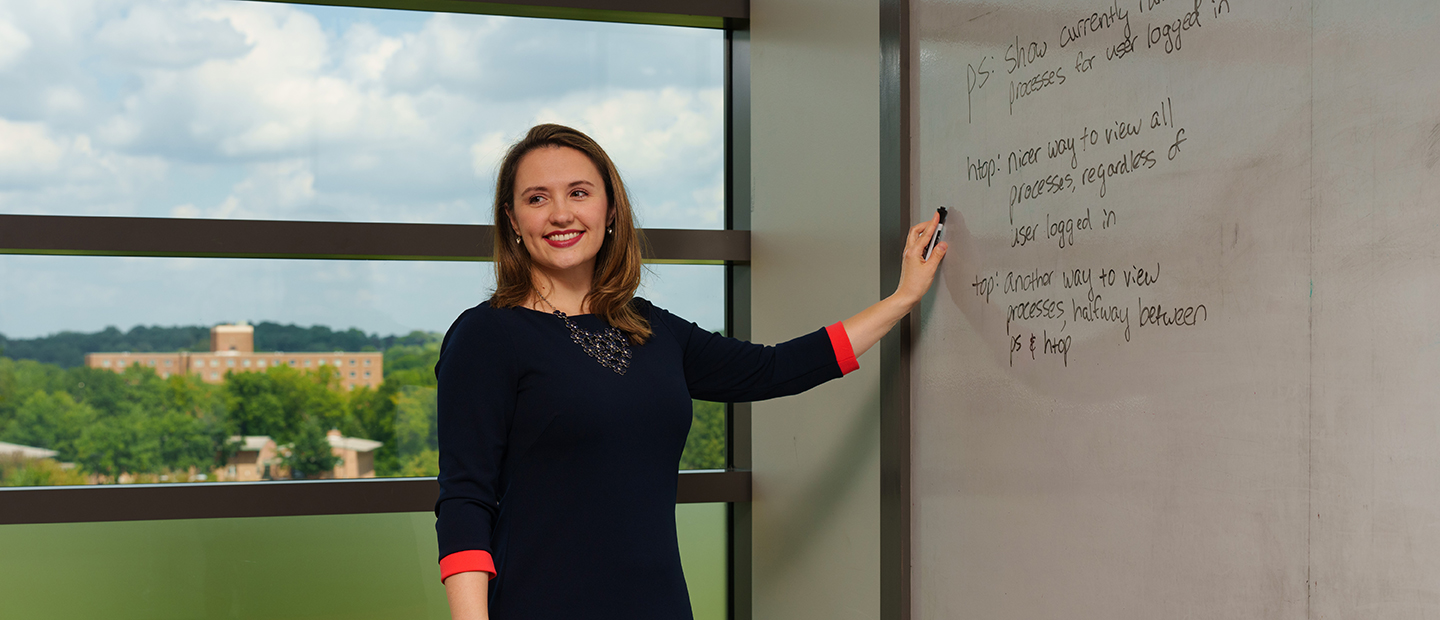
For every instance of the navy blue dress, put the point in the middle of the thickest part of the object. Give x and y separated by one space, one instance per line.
565 471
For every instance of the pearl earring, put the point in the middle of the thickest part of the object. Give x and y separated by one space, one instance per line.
517 240
610 231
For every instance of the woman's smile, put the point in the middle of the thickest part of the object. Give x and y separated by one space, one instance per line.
564 238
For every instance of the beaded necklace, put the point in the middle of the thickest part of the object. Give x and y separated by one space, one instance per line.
608 346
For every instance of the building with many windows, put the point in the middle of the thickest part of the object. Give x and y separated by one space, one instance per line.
232 349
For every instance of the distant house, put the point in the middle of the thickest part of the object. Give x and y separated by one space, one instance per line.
357 456
260 458
17 451
232 349
257 458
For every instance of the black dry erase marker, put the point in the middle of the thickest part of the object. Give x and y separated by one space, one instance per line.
935 238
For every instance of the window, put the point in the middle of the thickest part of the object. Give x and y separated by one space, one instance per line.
295 158
654 96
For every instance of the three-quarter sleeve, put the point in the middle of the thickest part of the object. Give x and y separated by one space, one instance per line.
719 368
475 406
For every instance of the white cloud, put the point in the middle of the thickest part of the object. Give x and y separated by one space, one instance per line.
169 36
271 189
451 50
27 150
65 169
667 145
13 44
645 128
365 53
485 155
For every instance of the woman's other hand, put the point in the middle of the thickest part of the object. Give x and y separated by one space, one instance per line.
469 595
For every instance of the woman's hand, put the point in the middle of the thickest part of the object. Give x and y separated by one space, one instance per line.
916 275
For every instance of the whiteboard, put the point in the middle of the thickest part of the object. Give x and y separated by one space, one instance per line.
1184 358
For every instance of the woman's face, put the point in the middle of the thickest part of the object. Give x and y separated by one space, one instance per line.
560 209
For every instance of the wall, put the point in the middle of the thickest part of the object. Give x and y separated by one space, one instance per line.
815 220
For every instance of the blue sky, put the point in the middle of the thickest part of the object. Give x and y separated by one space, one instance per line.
233 109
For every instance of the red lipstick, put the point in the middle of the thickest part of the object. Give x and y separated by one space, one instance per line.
564 243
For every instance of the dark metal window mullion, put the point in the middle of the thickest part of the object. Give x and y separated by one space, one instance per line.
737 310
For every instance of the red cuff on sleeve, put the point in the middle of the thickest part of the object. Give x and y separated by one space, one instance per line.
466 562
844 354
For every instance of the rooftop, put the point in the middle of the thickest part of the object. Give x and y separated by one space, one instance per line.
26 452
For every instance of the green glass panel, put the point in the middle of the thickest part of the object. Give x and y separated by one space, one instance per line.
351 567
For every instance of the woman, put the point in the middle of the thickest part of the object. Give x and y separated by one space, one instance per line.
564 401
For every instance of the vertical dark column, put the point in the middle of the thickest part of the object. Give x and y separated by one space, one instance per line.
895 348
737 301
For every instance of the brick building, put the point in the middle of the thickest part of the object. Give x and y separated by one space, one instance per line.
232 349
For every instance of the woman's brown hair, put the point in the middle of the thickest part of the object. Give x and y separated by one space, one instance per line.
617 265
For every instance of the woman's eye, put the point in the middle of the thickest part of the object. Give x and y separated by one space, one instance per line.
536 199
579 193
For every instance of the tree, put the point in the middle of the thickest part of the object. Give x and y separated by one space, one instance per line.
68 349
22 472
705 446
314 395
412 364
372 413
310 455
409 363
21 378
120 444
254 407
183 441
191 395
423 463
415 421
112 393
53 421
